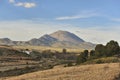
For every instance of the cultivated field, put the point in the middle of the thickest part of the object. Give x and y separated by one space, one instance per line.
83 72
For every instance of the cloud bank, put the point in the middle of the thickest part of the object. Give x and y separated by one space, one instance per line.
26 5
23 4
25 30
12 1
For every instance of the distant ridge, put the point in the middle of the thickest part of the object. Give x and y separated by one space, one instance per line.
59 38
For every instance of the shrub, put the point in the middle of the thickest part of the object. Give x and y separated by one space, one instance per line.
69 64
99 61
81 58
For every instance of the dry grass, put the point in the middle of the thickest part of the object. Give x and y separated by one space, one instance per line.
42 48
84 72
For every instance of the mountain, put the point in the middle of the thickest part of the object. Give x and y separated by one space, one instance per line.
66 36
59 38
45 40
6 41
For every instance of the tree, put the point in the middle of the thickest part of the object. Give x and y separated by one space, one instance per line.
92 53
112 48
64 51
86 53
100 50
82 57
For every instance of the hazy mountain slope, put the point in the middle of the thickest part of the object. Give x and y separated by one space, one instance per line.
45 40
59 38
66 36
6 41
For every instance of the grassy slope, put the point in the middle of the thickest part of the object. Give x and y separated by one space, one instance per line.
103 60
84 72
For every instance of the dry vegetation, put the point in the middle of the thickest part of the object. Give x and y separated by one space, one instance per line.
84 72
42 48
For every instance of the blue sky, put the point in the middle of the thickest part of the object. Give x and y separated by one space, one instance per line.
96 21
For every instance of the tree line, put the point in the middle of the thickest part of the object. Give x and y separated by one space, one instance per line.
112 48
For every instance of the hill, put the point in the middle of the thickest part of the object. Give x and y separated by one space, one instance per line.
59 39
6 51
84 72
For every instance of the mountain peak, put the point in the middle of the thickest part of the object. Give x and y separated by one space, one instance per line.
66 36
61 32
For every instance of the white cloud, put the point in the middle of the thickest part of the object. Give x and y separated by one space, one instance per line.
26 4
23 4
80 16
12 1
